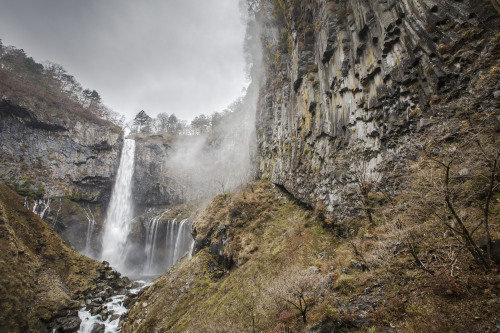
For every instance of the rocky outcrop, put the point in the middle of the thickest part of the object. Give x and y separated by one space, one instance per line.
177 169
43 281
47 158
352 85
153 184
63 164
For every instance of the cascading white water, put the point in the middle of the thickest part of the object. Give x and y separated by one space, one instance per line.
90 230
115 308
151 237
120 210
40 207
183 240
178 240
163 255
58 212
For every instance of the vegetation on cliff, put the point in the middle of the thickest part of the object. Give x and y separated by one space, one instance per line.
384 117
49 90
40 276
266 263
379 204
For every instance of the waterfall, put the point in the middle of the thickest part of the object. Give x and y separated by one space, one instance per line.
183 240
90 230
58 212
161 255
170 241
40 207
178 240
119 214
151 237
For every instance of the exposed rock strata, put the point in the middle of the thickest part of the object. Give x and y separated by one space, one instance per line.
74 158
177 169
65 166
153 184
353 83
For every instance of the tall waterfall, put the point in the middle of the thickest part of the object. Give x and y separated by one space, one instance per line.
119 216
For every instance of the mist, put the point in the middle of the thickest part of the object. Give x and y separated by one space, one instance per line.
224 158
153 55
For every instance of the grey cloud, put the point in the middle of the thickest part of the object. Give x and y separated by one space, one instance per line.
182 56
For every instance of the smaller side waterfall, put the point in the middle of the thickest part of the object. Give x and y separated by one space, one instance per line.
90 230
40 207
161 255
178 240
151 237
183 240
58 212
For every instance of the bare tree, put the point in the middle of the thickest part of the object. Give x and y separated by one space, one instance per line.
221 188
491 158
366 180
300 290
466 178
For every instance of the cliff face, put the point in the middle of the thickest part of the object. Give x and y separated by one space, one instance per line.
43 281
57 157
176 169
153 183
356 84
64 164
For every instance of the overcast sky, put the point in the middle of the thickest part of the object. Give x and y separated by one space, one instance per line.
175 56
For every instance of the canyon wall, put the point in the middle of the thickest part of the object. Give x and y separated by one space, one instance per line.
55 158
153 183
355 86
64 164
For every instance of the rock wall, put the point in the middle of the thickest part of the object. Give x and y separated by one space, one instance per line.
177 169
65 167
352 84
153 184
76 158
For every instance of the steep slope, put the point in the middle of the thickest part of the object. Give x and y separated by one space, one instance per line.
264 263
41 278
244 242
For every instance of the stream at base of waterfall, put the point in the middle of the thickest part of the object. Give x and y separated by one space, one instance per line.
107 318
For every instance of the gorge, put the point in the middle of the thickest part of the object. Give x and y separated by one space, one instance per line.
353 188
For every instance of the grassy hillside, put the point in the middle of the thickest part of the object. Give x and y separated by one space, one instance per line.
284 268
39 275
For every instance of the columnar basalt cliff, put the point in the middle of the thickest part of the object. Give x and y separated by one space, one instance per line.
383 115
359 83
